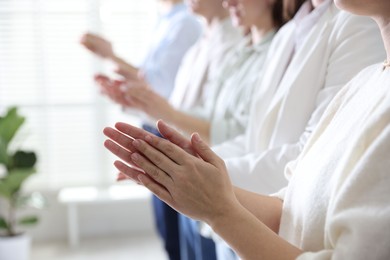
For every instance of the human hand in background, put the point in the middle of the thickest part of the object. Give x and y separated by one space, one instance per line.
97 45
126 70
194 181
112 89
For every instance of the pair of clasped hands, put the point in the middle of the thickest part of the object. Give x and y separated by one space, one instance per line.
186 174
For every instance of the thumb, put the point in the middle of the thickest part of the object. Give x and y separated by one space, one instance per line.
204 151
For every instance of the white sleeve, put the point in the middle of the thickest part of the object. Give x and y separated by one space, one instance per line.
232 148
262 173
358 220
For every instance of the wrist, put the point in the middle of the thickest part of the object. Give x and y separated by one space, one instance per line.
231 214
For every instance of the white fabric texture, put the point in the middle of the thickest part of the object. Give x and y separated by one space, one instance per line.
202 63
228 102
336 49
337 202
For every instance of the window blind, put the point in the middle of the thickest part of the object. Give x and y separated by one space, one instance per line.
49 76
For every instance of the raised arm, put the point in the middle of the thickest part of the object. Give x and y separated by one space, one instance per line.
103 48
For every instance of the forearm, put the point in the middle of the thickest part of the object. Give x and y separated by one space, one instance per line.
265 208
250 237
123 65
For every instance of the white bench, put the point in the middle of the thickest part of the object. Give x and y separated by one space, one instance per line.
76 196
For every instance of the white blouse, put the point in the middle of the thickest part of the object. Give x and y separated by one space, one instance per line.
203 62
335 50
337 203
230 93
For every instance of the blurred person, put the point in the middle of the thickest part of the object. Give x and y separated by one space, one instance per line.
224 113
176 31
199 66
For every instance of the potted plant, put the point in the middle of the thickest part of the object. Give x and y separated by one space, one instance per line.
16 166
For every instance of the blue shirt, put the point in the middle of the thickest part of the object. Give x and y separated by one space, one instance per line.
175 33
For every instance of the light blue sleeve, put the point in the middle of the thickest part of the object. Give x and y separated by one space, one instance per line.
160 72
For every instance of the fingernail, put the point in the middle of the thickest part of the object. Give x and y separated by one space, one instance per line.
197 137
140 178
135 156
136 143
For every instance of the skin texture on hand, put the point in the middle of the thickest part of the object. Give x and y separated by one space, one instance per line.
112 89
121 139
194 181
165 164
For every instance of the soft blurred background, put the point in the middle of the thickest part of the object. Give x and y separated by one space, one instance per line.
47 74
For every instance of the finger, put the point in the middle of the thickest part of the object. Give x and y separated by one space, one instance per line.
119 151
122 177
132 131
175 137
101 77
162 193
152 170
128 171
118 82
119 138
204 151
161 152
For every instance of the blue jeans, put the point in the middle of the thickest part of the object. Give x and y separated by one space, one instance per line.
166 218
193 246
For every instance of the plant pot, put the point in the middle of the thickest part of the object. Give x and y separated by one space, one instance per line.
15 248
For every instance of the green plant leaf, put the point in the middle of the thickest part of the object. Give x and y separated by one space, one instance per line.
15 179
5 190
9 125
22 159
4 158
3 223
28 220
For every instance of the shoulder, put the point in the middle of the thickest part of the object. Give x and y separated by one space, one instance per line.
186 18
369 72
185 23
366 78
343 21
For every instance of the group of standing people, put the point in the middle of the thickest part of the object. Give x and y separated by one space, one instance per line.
296 108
